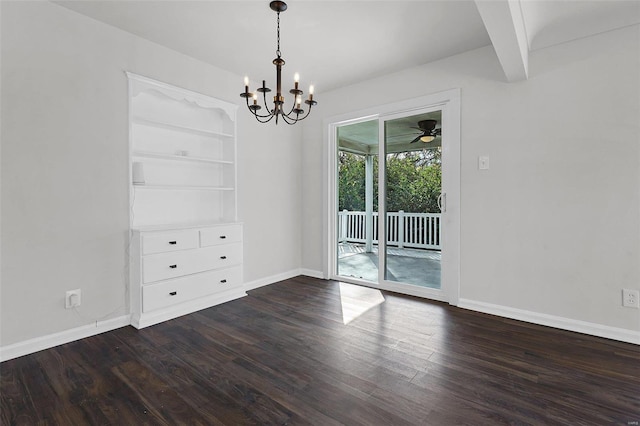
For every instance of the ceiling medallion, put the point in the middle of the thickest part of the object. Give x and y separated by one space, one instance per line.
296 113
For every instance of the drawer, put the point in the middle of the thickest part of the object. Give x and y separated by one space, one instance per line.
172 292
223 234
164 266
169 241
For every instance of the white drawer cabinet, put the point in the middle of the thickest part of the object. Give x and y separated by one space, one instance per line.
175 264
171 292
179 271
220 235
170 241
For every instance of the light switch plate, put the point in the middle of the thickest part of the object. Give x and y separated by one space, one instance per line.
483 162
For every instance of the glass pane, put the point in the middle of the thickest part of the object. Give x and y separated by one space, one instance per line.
413 155
357 219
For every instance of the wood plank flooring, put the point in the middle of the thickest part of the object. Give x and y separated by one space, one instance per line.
283 355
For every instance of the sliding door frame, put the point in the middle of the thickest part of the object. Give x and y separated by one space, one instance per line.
449 103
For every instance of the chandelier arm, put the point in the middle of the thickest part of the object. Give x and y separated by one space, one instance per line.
254 111
269 113
261 117
266 105
306 115
297 118
265 121
286 119
292 107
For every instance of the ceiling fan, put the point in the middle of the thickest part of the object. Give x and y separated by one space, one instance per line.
428 129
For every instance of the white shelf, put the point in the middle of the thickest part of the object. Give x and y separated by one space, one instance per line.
180 226
171 157
181 128
183 187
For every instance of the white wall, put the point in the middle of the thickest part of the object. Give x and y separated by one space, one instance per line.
553 227
64 167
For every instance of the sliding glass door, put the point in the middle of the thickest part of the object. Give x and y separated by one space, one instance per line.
389 216
412 178
357 200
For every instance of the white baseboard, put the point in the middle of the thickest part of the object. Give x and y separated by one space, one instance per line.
271 279
45 342
312 273
281 277
593 329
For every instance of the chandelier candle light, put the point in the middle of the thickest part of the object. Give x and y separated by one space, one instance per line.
296 113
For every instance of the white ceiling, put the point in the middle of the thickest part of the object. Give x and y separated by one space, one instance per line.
337 43
553 22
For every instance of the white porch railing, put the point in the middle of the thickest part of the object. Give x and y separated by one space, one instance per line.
415 230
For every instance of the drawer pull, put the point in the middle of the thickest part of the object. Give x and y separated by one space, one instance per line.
223 257
223 237
173 293
173 242
223 281
173 266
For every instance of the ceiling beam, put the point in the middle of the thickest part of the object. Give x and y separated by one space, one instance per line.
505 25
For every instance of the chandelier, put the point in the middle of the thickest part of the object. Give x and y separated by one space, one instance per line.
296 113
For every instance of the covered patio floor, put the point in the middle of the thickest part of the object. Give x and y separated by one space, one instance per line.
411 266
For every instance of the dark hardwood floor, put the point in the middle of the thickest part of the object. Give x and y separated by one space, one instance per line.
283 355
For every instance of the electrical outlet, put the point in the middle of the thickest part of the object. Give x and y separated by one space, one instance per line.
73 298
631 298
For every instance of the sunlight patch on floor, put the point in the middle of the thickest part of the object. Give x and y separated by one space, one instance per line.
356 300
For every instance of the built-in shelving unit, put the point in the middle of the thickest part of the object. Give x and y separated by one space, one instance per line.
183 156
186 188
179 157
186 250
180 128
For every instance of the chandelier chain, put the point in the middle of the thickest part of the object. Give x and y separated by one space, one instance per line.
278 50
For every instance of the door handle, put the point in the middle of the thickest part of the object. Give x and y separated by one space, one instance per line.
442 202
173 266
